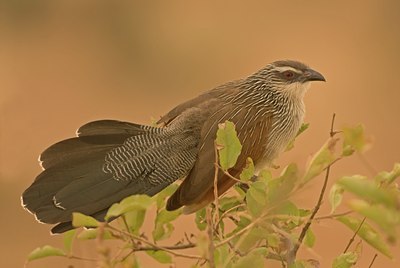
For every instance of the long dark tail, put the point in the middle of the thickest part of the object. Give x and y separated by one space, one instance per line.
108 161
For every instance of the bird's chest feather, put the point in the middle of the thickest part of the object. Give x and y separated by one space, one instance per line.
284 127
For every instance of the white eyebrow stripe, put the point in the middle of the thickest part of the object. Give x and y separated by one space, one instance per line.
287 68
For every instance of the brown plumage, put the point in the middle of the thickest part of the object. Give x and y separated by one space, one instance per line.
110 160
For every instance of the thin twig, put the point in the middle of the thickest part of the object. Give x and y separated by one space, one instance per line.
176 247
80 258
373 260
354 235
332 216
227 211
320 198
210 234
216 168
231 176
155 247
245 229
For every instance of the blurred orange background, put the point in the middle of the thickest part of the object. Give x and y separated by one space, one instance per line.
64 63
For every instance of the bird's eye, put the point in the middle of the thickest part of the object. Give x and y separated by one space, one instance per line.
288 74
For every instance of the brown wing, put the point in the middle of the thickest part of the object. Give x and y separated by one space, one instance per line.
201 100
252 124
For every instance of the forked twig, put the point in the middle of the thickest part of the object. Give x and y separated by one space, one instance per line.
320 198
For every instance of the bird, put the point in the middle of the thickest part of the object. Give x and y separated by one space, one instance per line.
109 160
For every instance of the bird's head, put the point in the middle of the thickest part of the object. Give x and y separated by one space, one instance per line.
290 77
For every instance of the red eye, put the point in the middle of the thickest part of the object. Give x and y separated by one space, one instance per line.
288 74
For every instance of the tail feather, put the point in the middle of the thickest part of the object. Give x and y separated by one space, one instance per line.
79 148
112 127
76 178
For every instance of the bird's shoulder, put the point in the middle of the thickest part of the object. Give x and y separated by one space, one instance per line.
207 101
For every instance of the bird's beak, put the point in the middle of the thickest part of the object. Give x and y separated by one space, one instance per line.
311 75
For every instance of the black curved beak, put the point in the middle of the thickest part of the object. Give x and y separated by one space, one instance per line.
311 75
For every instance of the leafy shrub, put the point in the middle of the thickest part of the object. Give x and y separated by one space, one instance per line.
256 220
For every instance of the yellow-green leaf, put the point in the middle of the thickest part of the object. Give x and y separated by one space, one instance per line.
309 239
303 128
163 228
135 219
133 202
254 259
345 260
389 177
160 256
45 251
387 219
248 171
335 196
367 233
228 145
167 192
279 188
68 238
256 198
88 234
321 160
354 140
369 190
201 219
81 220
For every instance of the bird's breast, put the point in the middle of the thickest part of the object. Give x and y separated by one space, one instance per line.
284 127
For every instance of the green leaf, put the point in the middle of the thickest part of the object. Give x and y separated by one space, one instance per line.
228 202
228 145
303 128
368 190
387 219
279 188
160 256
309 239
133 202
354 140
45 251
248 171
254 259
252 238
388 177
68 238
290 209
167 192
89 234
367 233
345 260
335 196
310 263
242 223
81 220
297 264
321 160
256 198
221 254
163 228
265 176
135 219
201 219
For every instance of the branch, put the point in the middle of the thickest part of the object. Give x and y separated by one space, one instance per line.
216 169
210 234
154 246
176 247
373 260
354 235
332 216
320 198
